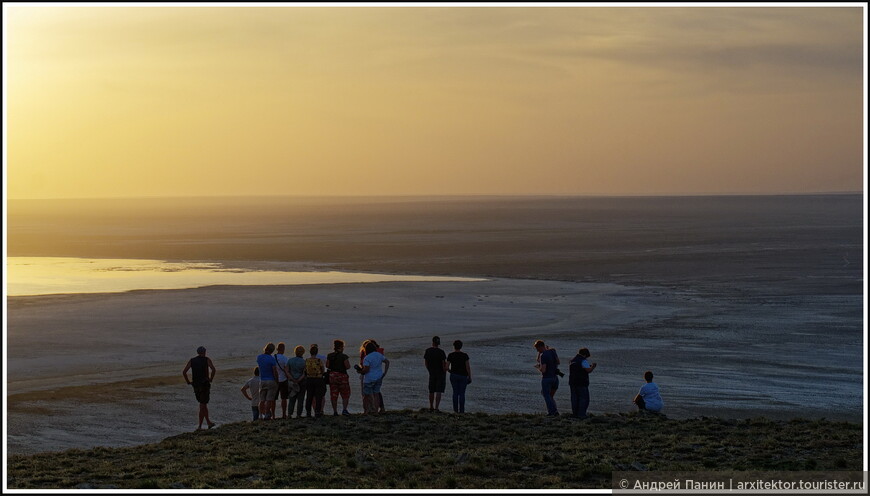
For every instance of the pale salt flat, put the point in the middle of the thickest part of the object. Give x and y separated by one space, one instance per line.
126 351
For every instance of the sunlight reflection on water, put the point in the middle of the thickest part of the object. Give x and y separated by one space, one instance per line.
27 276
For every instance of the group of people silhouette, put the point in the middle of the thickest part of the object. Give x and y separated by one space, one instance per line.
648 399
301 383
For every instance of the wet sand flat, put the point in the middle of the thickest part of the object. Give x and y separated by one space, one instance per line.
113 377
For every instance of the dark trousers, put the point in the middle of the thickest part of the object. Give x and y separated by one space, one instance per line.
458 383
316 389
579 400
298 400
548 387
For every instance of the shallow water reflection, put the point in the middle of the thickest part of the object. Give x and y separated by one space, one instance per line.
28 276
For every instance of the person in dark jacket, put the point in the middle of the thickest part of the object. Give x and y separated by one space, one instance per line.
548 365
578 381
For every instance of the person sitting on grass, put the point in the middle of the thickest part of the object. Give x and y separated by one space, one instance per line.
251 391
648 398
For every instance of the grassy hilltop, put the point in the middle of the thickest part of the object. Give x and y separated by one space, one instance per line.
444 451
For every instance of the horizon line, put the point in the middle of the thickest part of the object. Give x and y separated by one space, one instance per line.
455 195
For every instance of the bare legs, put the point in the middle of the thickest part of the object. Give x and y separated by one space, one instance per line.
203 415
434 398
267 409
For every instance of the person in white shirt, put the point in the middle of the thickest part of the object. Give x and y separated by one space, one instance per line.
283 383
649 398
373 377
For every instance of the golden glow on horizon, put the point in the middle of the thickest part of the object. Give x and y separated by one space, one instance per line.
187 101
60 275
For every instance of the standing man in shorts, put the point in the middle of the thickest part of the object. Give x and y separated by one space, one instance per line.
268 381
435 361
203 372
283 383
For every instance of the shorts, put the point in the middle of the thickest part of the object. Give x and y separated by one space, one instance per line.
372 387
437 382
339 384
268 390
283 389
202 391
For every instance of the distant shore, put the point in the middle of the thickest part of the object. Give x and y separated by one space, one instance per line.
421 450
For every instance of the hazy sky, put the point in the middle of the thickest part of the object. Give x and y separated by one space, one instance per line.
169 101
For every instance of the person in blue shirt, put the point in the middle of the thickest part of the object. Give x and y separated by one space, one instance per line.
268 381
648 398
578 381
548 366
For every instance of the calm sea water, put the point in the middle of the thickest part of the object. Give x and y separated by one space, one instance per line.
758 244
29 276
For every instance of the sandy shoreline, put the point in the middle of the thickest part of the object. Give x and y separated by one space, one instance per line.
115 359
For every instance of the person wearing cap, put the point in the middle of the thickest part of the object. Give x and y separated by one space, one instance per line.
202 371
435 361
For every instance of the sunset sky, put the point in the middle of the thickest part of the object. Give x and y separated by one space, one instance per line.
132 101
